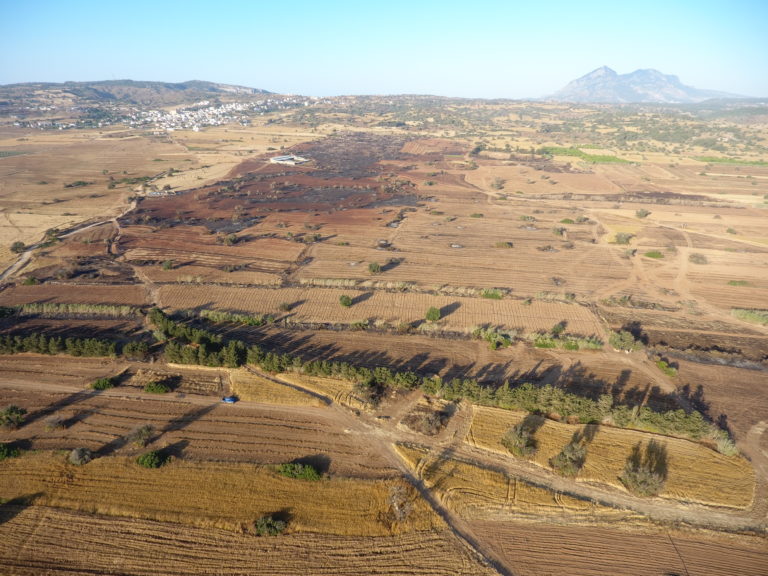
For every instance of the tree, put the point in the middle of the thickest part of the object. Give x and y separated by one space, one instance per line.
18 247
12 416
374 268
433 314
345 301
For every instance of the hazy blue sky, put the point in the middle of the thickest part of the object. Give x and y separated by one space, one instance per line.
472 48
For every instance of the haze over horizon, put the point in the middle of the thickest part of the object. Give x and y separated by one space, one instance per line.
486 49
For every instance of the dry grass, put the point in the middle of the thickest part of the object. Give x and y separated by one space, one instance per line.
339 391
696 473
475 492
248 386
31 543
208 494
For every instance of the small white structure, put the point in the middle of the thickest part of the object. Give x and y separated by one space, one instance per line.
290 159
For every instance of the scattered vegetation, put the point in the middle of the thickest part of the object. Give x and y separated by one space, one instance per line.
697 258
738 283
756 316
18 247
492 293
235 318
623 238
642 213
595 158
654 254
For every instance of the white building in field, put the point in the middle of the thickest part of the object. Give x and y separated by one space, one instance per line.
290 159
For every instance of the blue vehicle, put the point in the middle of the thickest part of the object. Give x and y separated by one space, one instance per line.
229 399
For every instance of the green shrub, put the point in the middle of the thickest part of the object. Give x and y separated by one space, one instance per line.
654 254
433 314
12 416
738 283
504 244
8 450
666 368
642 213
492 293
18 247
477 215
299 471
567 221
624 340
157 387
152 459
623 238
345 300
269 526
103 384
374 268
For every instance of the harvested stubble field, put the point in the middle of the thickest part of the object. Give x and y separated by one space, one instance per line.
256 388
321 306
192 247
31 544
471 251
696 473
476 492
131 295
208 494
197 428
534 549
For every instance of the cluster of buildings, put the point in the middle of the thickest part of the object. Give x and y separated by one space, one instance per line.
193 117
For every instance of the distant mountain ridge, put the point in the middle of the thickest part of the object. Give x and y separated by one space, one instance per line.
641 86
133 91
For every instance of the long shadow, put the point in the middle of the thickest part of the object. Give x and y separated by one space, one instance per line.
66 402
15 506
449 309
362 297
320 462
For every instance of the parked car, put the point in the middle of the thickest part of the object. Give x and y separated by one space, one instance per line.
230 399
